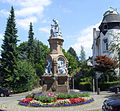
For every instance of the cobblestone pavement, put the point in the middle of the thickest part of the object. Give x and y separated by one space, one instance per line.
94 106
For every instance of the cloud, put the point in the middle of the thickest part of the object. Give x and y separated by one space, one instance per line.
4 12
86 40
30 3
30 8
24 23
1 36
27 9
45 29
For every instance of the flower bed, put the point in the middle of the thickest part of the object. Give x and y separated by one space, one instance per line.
55 100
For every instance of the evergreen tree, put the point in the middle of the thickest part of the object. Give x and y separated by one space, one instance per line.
37 53
31 45
73 53
9 53
73 64
82 55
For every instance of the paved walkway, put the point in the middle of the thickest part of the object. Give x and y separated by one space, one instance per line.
94 106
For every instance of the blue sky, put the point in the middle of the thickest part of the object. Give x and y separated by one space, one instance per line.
77 18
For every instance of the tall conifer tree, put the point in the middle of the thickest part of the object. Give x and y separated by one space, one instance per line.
82 55
37 53
31 45
9 53
73 53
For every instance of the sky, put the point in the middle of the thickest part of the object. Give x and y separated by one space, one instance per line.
77 18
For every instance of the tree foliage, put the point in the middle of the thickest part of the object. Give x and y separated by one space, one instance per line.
40 53
105 64
82 55
73 53
26 78
30 49
9 53
115 43
73 64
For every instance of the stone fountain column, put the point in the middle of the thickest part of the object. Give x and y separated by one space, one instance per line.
56 78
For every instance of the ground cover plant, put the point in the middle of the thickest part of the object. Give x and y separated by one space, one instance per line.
56 100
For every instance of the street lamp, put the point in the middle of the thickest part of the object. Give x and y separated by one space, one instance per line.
73 81
91 65
28 83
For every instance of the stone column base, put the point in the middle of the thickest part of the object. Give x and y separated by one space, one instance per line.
56 84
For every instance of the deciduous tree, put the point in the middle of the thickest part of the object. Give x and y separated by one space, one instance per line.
105 65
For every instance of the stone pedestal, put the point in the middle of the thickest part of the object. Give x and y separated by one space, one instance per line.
56 84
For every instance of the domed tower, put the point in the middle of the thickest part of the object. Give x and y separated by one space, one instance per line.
108 29
56 78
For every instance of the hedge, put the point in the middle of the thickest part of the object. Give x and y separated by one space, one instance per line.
85 86
106 85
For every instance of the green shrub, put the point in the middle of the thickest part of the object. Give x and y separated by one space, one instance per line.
106 85
61 96
43 99
85 86
72 95
30 95
84 95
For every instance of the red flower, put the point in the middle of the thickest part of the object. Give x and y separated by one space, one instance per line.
27 100
76 100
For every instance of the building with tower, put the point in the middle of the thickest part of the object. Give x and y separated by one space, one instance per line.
102 39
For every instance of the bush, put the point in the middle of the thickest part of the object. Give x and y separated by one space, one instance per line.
61 96
85 86
84 83
44 99
106 85
84 95
30 96
74 95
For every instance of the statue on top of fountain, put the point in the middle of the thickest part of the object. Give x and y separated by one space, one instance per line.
55 29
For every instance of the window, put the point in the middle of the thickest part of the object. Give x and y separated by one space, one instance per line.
105 44
105 27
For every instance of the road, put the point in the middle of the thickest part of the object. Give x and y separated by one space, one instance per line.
16 97
10 98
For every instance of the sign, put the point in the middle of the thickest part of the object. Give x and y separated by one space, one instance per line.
98 74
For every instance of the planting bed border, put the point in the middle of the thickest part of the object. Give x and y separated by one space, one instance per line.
36 105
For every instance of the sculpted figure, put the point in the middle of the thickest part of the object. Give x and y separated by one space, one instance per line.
55 29
48 69
61 66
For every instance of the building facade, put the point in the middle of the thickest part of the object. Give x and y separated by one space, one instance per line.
102 39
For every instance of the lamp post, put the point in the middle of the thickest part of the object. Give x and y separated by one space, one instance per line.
73 82
28 83
91 65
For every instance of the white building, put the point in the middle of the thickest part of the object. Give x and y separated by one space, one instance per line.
109 27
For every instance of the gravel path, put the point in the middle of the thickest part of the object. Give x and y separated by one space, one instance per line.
94 106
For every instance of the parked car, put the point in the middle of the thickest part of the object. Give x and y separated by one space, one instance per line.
5 92
111 105
114 88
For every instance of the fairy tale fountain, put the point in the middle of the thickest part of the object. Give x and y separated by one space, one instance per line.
56 78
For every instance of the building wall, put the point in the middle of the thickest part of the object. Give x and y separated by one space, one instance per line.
102 44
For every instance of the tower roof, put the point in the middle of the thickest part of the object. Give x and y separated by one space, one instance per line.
111 15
